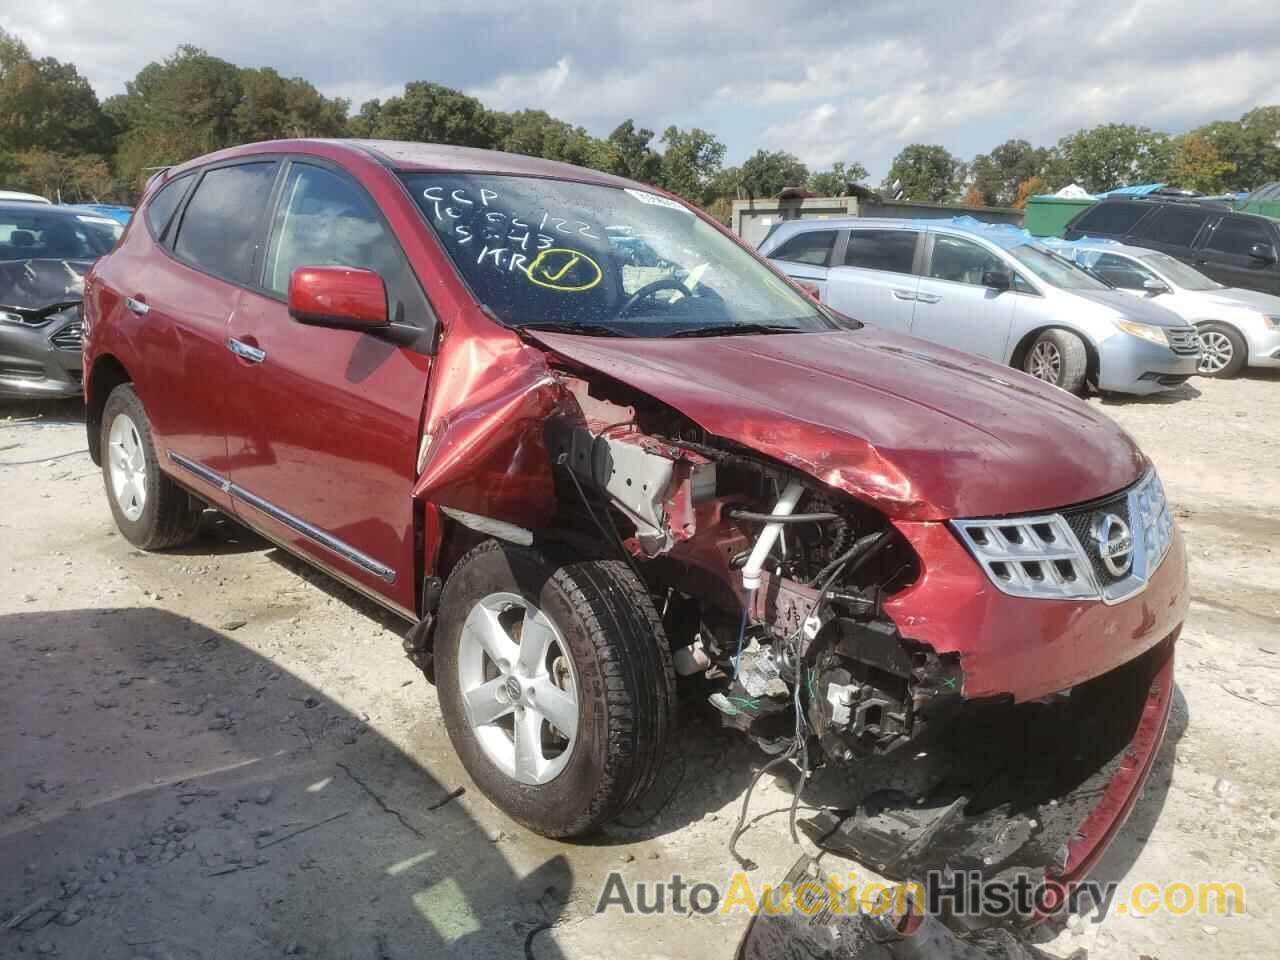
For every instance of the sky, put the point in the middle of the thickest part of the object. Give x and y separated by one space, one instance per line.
852 81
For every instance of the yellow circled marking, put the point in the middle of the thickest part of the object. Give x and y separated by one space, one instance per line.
551 280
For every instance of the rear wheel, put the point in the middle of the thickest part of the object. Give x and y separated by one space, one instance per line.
556 684
1223 352
1058 357
150 509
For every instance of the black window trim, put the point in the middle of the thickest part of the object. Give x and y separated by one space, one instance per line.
1206 236
160 236
818 227
927 261
1201 234
426 343
917 254
430 333
180 214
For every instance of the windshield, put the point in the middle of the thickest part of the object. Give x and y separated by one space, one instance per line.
1053 269
1179 274
32 233
602 260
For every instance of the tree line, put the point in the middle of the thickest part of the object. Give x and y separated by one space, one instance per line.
58 139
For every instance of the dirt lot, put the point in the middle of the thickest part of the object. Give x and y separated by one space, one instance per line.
217 753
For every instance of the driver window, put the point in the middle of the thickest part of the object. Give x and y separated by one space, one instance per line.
323 220
1122 272
962 261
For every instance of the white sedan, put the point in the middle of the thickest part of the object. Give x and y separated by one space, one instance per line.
1237 327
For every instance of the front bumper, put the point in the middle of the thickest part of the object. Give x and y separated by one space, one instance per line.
1029 648
1264 347
41 362
1130 365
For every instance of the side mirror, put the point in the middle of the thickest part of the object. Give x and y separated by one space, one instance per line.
1154 286
345 298
1264 252
997 279
811 289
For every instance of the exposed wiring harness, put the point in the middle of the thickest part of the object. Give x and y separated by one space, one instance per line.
800 741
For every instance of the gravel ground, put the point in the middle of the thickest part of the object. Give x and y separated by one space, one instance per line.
216 752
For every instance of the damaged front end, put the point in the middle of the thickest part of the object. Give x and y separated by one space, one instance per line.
771 585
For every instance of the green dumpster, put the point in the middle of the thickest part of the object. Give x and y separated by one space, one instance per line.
1048 216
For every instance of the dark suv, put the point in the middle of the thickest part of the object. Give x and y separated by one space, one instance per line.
1236 249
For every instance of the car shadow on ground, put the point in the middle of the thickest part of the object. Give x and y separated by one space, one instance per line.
53 412
1177 395
169 794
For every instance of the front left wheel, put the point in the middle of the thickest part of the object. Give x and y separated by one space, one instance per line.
556 684
150 509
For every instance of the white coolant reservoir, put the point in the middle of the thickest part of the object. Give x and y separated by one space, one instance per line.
783 508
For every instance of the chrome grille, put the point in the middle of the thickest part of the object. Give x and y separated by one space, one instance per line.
1060 555
69 337
1183 340
1081 520
1030 556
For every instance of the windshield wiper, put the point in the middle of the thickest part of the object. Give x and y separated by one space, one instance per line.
721 329
588 329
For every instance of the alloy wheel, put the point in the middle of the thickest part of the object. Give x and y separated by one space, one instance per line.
1046 362
519 687
1216 351
127 460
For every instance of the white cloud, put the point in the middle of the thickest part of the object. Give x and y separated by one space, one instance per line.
824 81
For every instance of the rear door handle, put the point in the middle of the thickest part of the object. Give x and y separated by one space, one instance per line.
928 297
137 306
903 295
246 352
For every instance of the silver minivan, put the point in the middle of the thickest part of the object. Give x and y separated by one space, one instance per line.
989 289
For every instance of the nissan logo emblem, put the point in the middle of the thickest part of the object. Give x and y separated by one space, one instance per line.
1115 543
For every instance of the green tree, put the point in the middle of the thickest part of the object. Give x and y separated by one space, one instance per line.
70 178
630 153
536 133
996 175
1116 155
1251 144
175 110
272 107
429 112
690 158
834 182
47 105
766 172
924 172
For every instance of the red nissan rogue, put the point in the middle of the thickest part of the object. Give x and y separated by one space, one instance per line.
597 454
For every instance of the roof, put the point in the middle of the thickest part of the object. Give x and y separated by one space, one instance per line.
29 209
406 156
1002 234
17 196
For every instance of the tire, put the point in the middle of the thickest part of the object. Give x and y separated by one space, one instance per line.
150 509
602 645
1223 351
1058 357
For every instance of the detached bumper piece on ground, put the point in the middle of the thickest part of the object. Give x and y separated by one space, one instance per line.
1034 789
884 936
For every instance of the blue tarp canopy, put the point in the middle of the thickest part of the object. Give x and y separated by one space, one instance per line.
1139 190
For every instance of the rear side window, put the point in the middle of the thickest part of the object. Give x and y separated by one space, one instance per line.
812 247
891 250
1177 226
220 225
1112 218
1235 235
160 210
